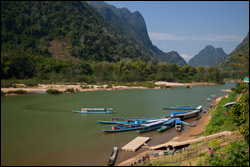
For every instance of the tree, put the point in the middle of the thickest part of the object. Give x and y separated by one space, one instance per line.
244 59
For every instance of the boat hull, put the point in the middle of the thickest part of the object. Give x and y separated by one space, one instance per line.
113 157
121 130
186 115
164 128
179 108
148 129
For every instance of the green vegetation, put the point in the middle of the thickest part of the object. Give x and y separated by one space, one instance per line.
239 56
221 120
235 118
87 49
239 113
20 92
70 90
53 91
234 154
2 93
91 72
31 27
209 56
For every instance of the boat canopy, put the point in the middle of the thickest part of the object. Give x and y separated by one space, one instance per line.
178 121
230 104
153 124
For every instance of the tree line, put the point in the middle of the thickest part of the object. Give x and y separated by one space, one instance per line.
21 65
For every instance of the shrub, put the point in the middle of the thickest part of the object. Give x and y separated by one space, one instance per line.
2 93
70 90
53 91
16 92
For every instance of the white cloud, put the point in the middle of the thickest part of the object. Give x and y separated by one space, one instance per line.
167 36
186 57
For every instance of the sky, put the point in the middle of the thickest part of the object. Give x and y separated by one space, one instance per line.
189 26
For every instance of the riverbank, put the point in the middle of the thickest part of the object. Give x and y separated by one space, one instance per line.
81 88
191 133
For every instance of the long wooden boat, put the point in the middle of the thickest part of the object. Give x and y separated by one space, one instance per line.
95 111
169 124
113 157
186 115
186 106
120 128
129 121
152 126
112 122
179 108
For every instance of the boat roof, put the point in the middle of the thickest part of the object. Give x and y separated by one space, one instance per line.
96 109
187 113
177 120
199 107
181 112
230 103
152 124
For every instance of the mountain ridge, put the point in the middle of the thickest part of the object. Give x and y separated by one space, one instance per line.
133 25
208 56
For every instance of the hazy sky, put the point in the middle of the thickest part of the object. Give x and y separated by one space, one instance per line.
188 26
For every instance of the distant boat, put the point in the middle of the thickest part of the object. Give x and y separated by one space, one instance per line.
113 157
170 123
95 111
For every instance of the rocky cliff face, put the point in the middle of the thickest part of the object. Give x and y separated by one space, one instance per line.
134 26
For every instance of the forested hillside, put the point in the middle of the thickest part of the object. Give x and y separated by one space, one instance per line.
208 56
134 26
229 70
71 41
31 26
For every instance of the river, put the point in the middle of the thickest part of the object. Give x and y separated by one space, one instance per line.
41 129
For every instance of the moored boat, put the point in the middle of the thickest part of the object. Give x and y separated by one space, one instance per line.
170 123
121 128
186 115
178 124
95 111
152 126
113 157
180 108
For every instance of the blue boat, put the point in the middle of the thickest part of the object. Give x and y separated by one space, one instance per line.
178 124
169 124
180 108
121 128
112 122
95 111
186 106
152 126
173 114
187 114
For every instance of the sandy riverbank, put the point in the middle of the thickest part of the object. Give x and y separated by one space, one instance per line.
191 133
82 88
